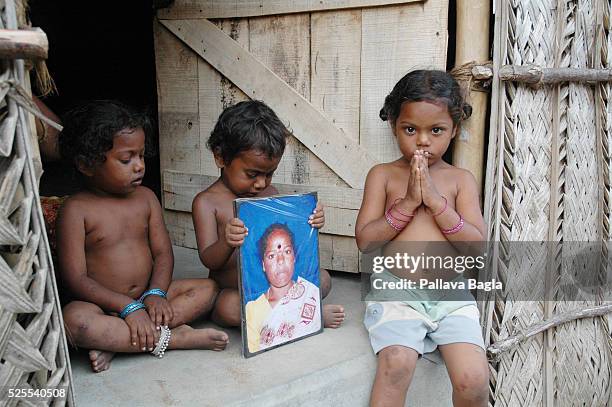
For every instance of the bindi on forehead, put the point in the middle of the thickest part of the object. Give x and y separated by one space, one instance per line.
278 240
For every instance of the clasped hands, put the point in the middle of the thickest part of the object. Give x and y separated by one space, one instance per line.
421 190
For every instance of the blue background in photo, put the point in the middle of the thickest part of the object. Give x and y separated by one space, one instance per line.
257 215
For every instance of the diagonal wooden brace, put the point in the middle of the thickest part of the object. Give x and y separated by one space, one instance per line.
345 157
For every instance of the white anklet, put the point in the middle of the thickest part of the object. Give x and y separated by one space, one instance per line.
162 344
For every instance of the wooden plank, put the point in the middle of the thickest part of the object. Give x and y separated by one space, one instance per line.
396 40
339 221
338 253
209 89
282 44
341 205
309 125
216 92
346 254
336 60
180 188
177 96
180 228
334 87
194 9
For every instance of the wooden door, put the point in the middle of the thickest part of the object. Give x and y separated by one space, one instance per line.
324 67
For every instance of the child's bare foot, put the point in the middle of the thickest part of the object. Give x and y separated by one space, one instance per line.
185 337
333 315
100 360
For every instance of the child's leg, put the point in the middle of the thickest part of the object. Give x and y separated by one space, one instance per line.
325 281
459 337
191 299
333 315
226 311
78 319
396 366
88 327
469 373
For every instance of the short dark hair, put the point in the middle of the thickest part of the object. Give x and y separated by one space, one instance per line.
426 85
90 128
263 240
248 125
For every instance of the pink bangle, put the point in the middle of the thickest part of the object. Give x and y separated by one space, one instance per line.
455 228
395 226
397 213
394 206
443 209
388 213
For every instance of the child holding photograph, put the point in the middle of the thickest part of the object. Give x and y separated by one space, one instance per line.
114 252
247 142
419 197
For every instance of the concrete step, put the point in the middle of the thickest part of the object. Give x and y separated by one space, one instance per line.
335 368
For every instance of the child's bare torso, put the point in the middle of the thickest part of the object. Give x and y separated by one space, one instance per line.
117 250
222 199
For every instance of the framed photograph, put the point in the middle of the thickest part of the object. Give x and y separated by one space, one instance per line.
278 266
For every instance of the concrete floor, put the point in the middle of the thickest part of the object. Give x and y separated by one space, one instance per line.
334 368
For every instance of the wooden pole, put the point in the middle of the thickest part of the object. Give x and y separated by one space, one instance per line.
472 44
23 44
505 344
536 75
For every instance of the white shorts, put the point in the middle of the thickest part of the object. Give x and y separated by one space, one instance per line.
397 323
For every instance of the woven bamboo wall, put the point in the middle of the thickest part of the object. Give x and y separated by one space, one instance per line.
548 179
33 351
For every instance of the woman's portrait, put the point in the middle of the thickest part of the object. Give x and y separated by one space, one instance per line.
279 265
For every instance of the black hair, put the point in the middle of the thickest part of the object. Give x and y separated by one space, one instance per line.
426 85
248 125
263 240
90 128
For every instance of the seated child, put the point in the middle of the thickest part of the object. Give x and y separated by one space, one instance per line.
420 197
114 251
247 142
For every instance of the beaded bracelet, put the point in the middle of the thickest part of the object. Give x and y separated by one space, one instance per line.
443 209
455 228
153 291
131 307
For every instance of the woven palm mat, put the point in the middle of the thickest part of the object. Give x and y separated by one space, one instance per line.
549 173
33 351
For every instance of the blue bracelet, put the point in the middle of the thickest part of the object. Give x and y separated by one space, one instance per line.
152 291
131 307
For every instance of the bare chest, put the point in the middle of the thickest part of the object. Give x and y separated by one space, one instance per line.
117 223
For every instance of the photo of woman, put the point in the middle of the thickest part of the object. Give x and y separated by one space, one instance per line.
279 265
